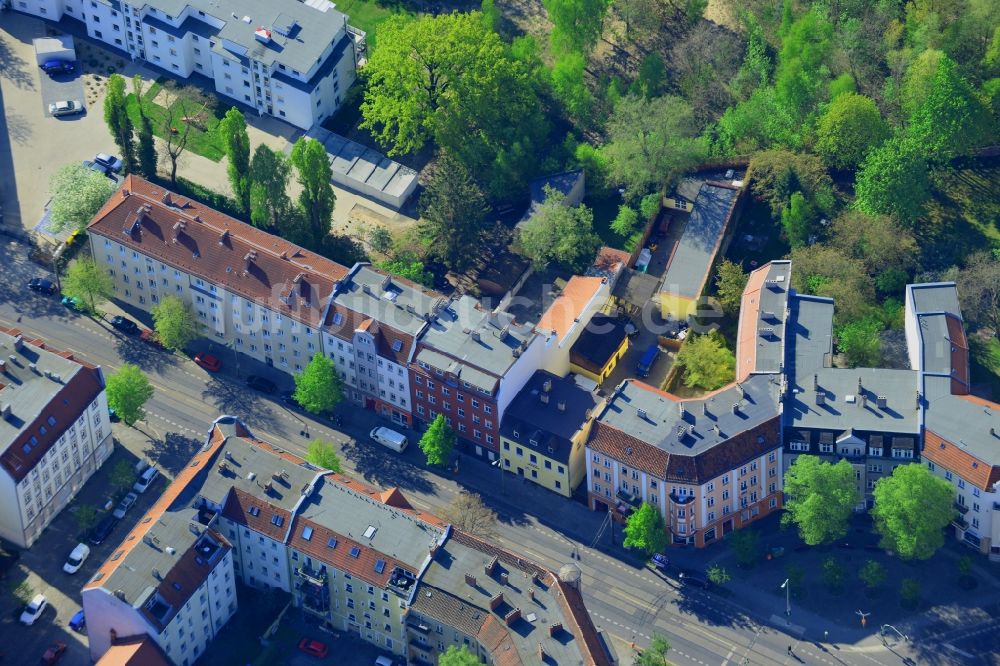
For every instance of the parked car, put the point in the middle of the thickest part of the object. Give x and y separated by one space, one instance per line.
109 162
124 325
150 336
102 530
208 362
34 609
113 415
54 653
78 622
661 562
66 107
94 166
145 480
313 648
53 67
76 558
74 303
694 579
261 384
42 286
127 503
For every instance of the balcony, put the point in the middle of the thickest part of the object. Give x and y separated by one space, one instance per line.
629 498
419 626
961 508
317 578
681 499
960 522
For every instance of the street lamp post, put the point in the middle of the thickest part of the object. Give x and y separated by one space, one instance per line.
863 616
498 462
236 357
788 597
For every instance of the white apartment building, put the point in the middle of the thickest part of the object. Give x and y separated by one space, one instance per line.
54 430
288 59
253 292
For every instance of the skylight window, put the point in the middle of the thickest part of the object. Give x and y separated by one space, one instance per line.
254 511
355 552
370 532
379 566
307 533
52 421
277 520
337 318
331 542
397 345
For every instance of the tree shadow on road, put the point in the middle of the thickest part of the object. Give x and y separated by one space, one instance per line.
384 471
147 357
232 397
173 452
14 68
507 512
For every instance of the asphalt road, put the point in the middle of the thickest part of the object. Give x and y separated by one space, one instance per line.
629 602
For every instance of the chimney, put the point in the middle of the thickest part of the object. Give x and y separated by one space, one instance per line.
641 413
544 397
470 579
224 237
475 336
880 401
561 406
816 382
18 342
820 398
863 402
993 432
490 566
861 388
167 201
547 385
541 654
5 410
918 399
736 408
512 617
503 578
555 628
716 429
496 601
3 366
680 409
704 409
157 575
33 367
113 634
531 593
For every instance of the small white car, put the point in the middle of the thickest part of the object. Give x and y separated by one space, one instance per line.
145 480
127 503
69 107
76 558
34 609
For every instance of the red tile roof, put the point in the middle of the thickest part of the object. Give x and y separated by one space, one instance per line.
208 244
746 340
237 509
185 577
608 259
65 407
134 651
569 307
630 450
942 452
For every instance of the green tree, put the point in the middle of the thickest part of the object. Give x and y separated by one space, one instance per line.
323 454
912 508
819 498
964 568
85 517
718 575
453 213
268 174
625 222
650 141
77 194
655 654
952 120
182 105
122 476
909 592
312 165
872 574
458 656
796 576
879 242
893 181
318 387
979 290
379 238
87 281
145 145
918 81
707 362
652 75
22 591
649 206
797 220
645 530
409 266
833 574
859 341
850 127
470 514
118 121
730 281
233 131
570 87
560 233
175 322
128 391
640 17
437 442
576 24
745 544
774 175
802 73
823 270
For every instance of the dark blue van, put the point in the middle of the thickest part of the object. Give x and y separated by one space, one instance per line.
648 359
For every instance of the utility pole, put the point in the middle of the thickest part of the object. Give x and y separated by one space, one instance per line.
788 597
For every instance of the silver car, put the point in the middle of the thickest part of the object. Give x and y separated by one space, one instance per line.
127 503
69 107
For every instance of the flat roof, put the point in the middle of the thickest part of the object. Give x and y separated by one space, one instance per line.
963 420
760 344
692 258
364 166
549 410
598 342
387 298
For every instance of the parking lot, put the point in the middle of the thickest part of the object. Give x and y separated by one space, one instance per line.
61 87
41 568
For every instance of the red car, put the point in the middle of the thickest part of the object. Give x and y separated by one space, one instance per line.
54 653
313 648
208 362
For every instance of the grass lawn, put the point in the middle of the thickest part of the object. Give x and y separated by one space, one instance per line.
366 15
605 210
964 214
202 138
985 356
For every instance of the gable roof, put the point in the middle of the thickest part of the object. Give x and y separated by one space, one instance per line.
568 309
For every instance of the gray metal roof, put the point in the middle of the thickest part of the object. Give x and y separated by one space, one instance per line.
353 514
690 427
299 50
363 165
635 288
28 392
934 297
478 345
696 248
387 299
250 469
963 422
772 322
530 417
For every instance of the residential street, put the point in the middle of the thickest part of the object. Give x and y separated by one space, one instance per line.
626 599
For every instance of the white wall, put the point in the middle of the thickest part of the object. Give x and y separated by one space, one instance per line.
520 372
105 612
557 356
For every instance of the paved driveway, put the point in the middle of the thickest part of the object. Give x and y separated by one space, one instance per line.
62 87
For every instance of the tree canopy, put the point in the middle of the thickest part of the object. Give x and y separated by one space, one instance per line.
77 194
819 498
707 362
318 387
458 656
850 127
645 530
893 181
128 391
469 513
89 282
453 214
559 233
979 290
316 200
437 442
175 321
268 176
730 281
118 121
912 508
323 454
233 129
576 24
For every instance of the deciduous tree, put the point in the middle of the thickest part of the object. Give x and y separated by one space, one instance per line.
859 341
879 242
437 442
848 129
826 271
893 181
118 121
559 233
183 106
718 575
730 281
175 322
85 517
128 391
233 129
656 653
408 265
645 530
312 166
775 175
268 176
145 145
87 281
909 592
453 214
323 454
576 24
468 513
803 70
912 508
458 656
625 222
872 574
798 220
833 574
122 476
707 362
77 194
318 387
819 498
979 290
745 544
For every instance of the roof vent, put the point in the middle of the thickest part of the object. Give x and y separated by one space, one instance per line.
33 367
561 406
475 336
171 550
157 575
544 397
251 476
641 413
681 410
547 385
880 401
820 398
470 580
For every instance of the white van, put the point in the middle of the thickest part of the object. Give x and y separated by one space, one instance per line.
146 480
390 439
384 661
